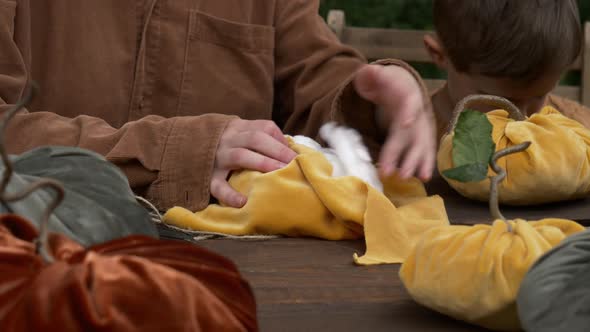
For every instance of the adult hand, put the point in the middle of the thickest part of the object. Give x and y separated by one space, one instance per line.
410 147
247 144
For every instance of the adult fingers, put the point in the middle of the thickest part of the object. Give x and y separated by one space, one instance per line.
266 126
242 158
391 153
221 190
264 144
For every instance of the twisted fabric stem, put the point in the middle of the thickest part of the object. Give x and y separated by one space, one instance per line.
42 241
490 100
500 175
6 118
515 114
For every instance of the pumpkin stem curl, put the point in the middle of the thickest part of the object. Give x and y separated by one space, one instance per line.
516 114
41 242
490 100
500 175
5 120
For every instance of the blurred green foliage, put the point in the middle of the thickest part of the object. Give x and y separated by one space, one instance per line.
410 14
402 14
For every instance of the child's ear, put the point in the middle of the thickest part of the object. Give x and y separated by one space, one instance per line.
436 51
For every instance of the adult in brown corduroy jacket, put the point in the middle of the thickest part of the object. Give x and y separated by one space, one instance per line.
178 93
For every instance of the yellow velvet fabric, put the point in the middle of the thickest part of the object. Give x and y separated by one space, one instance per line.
473 273
303 199
555 167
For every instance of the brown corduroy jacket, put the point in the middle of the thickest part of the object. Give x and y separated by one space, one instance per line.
151 84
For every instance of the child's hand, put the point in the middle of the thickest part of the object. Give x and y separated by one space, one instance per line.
247 144
410 147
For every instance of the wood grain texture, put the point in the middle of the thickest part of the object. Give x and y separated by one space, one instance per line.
305 284
312 285
467 212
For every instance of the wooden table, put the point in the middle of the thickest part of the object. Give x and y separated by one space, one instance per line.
467 212
313 285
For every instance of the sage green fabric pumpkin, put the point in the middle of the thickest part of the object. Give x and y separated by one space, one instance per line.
98 205
555 293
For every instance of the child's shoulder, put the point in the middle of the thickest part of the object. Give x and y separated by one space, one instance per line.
570 108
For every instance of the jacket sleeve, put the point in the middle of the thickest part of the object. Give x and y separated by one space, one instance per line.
170 160
314 74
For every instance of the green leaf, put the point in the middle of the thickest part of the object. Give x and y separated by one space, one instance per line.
472 143
467 173
473 147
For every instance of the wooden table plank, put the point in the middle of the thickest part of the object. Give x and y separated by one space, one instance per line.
313 285
464 211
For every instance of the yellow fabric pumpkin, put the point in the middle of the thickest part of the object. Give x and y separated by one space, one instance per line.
473 273
555 167
304 199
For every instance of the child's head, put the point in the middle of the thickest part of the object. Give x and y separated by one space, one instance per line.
516 49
